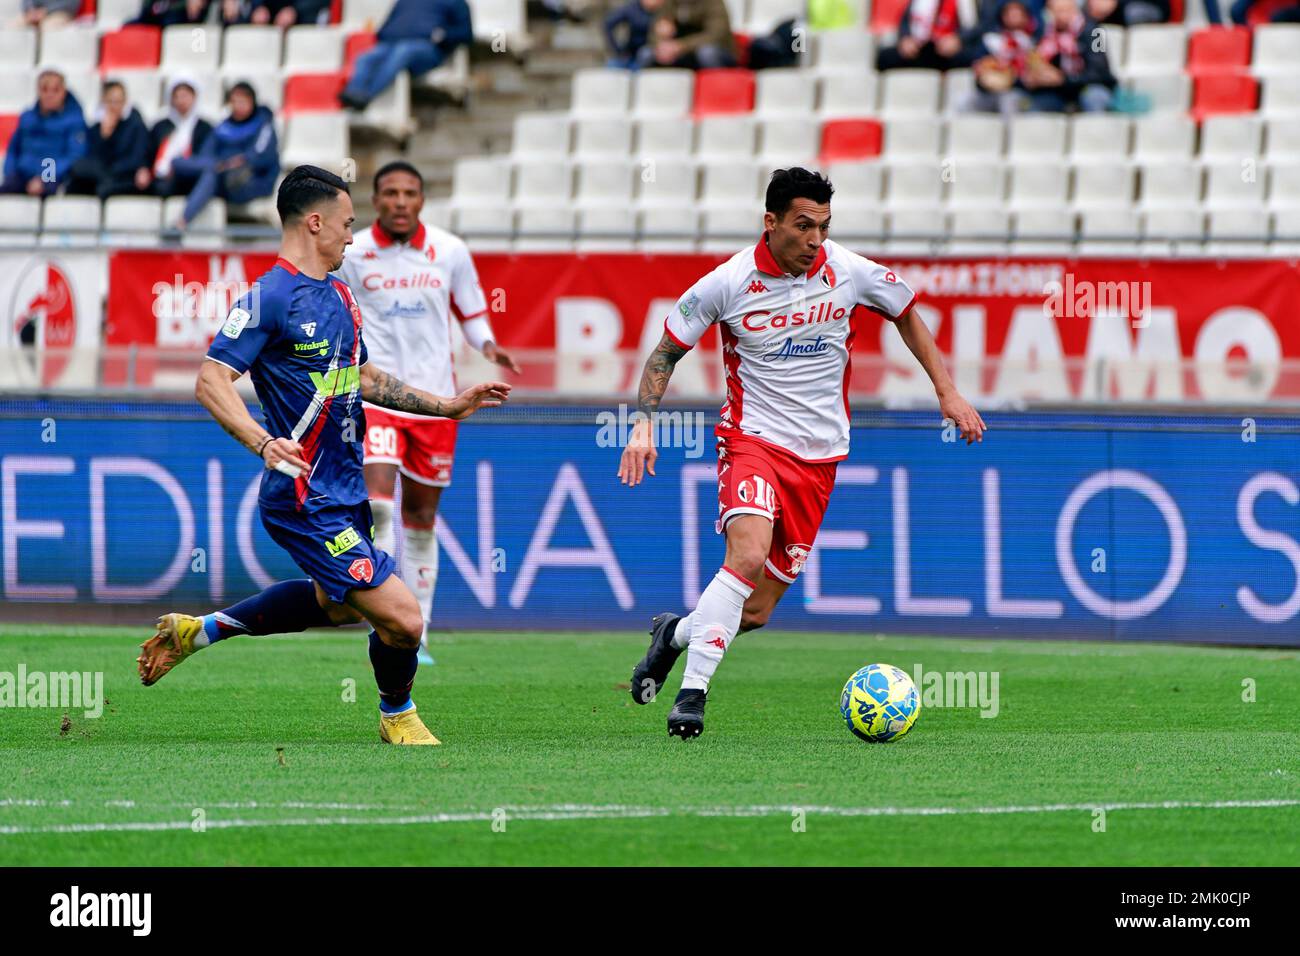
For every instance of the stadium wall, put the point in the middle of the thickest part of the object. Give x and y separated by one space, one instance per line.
1123 526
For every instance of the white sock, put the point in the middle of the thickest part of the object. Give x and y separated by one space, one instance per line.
714 624
381 509
420 569
682 635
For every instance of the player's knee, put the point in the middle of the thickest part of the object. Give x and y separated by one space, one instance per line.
405 633
752 620
419 517
747 562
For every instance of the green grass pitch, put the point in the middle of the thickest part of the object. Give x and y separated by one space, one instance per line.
546 761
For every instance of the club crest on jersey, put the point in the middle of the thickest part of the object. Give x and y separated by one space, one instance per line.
362 570
828 276
308 327
798 555
758 492
235 322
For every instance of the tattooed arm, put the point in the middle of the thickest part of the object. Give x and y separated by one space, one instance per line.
639 455
215 391
387 391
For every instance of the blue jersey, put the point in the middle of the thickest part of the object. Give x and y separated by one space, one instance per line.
300 339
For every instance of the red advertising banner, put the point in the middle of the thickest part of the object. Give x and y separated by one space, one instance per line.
1031 328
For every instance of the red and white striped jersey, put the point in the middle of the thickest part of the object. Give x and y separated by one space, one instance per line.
786 341
408 292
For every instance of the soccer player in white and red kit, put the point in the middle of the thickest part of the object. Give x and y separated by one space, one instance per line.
409 279
784 308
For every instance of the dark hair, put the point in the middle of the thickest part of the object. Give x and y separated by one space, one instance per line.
304 189
247 89
109 85
397 166
794 183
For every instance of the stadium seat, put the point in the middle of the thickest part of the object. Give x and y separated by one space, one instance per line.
732 184
1216 94
545 228
313 49
1161 93
111 14
210 92
910 92
719 138
784 92
666 182
986 225
1101 185
312 93
723 91
1284 189
1155 48
1115 38
500 18
269 88
1245 231
847 94
130 48
1166 184
843 51
848 140
21 216
606 184
975 136
132 220
856 184
911 227
668 228
355 44
885 16
788 141
1111 229
664 137
1036 136
481 181
606 229
250 48
1277 49
18 50
191 49
600 92
8 124
1100 136
912 137
976 184
85 85
764 15
451 76
722 230
1038 183
1282 140
17 92
1281 97
365 14
539 135
659 93
1231 137
1185 224
318 139
603 138
1218 50
542 183
856 223
70 220
1234 185
73 47
390 110
914 184
1055 223
958 85
143 91
1164 136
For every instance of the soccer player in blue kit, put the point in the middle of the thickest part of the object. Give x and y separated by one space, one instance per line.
298 333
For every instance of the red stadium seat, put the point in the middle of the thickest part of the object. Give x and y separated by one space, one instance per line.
336 11
886 15
313 93
1218 93
1176 11
1262 11
723 91
357 44
130 48
742 41
1219 50
847 140
8 123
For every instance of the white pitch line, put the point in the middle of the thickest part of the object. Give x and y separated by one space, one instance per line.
619 812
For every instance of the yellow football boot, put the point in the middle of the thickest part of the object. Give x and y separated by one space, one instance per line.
405 728
172 644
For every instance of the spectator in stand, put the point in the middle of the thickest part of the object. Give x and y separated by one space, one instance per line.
627 30
417 36
1004 53
50 137
178 135
933 35
1130 12
1070 72
1287 15
695 34
239 162
45 14
1240 8
286 13
116 144
166 13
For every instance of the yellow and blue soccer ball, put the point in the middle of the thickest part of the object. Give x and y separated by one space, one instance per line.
880 703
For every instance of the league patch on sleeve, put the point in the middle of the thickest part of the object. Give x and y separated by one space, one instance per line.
687 307
235 322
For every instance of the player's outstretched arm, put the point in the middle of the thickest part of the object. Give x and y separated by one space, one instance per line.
951 404
387 391
215 391
639 455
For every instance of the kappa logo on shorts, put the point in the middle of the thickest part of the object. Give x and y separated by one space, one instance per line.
362 570
798 555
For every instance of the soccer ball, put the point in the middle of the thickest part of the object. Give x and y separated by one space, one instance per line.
880 703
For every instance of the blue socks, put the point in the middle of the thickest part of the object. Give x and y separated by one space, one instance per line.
394 673
283 608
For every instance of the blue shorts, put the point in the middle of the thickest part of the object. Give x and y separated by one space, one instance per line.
334 546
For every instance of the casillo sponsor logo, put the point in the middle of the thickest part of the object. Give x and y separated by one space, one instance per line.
824 312
377 281
74 908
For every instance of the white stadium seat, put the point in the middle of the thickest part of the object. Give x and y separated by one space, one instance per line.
1230 137
73 47
1100 136
538 135
856 184
912 184
1166 92
542 183
192 49
725 137
1036 136
70 220
249 48
499 18
1284 189
764 15
600 92
910 93
143 91
606 184
1277 49
21 218
481 181
665 182
730 184
603 138
1054 222
843 51
545 228
111 14
606 229
1155 48
668 227
975 136
790 141
83 84
1116 39
912 137
365 14
973 183
1281 98
1102 185
1250 225
1038 184
1111 226
663 138
1282 140
132 220
18 51
1163 137
1170 185
1234 184
313 49
847 94
859 222
723 228
958 85
269 88
657 93
784 92
1187 223
317 139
